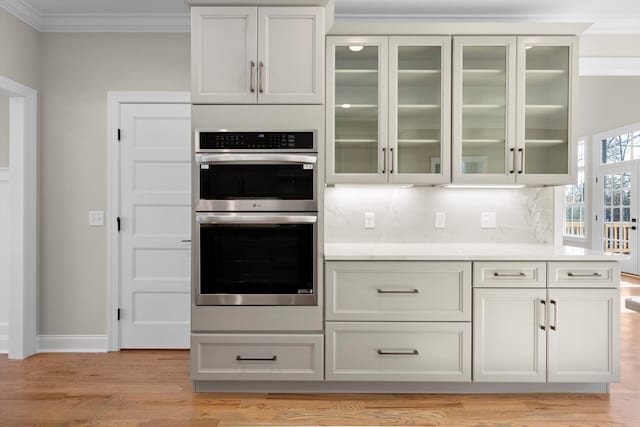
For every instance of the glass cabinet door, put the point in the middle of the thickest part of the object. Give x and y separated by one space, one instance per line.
484 109
544 109
419 109
356 107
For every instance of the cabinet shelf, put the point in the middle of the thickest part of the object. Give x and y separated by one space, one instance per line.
418 77
544 76
544 142
356 140
484 76
354 77
483 110
418 141
482 141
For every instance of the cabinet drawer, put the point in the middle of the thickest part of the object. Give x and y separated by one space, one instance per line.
399 351
398 291
509 274
584 275
284 357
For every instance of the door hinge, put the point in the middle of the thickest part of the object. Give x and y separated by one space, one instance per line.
118 314
596 179
118 134
596 217
118 223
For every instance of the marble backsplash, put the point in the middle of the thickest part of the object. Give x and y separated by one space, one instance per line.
407 215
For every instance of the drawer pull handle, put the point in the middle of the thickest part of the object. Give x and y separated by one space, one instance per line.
570 274
499 274
390 291
412 352
544 305
256 359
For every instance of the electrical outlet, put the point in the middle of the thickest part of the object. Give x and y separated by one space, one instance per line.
440 220
487 220
369 220
96 218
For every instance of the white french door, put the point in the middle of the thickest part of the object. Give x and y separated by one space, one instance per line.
616 217
155 221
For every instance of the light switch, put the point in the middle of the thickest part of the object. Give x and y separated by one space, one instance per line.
96 218
369 220
440 220
487 220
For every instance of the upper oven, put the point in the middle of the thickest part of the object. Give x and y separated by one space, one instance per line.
256 171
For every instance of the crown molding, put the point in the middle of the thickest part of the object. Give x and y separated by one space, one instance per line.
117 22
599 26
24 12
98 22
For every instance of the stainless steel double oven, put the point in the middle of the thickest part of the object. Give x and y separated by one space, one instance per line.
256 217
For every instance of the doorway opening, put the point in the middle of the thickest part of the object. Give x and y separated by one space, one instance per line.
22 216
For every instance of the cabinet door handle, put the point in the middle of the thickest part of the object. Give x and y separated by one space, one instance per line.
384 160
256 359
393 291
521 168
499 274
251 80
570 274
410 352
512 159
260 76
544 316
391 167
555 315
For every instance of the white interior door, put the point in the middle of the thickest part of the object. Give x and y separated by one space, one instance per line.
155 218
617 213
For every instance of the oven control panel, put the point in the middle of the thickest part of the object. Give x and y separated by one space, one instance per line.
219 140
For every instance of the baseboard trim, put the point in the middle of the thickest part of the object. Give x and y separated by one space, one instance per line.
4 344
72 343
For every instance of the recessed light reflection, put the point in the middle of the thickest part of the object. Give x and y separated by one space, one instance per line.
356 48
346 105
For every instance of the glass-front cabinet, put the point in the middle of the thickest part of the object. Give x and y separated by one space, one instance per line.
513 101
388 110
546 108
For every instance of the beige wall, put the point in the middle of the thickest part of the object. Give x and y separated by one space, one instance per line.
608 103
19 61
4 131
19 51
77 72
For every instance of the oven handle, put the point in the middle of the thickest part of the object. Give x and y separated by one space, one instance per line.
213 218
255 158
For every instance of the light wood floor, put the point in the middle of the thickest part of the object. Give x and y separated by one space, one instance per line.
152 388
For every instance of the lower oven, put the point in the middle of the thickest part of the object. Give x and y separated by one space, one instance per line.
248 258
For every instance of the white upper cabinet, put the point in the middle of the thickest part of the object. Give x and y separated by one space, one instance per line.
357 98
248 55
513 110
388 110
484 109
546 109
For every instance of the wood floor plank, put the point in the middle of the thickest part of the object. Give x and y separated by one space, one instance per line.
152 388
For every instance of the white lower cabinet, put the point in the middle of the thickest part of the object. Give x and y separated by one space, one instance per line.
284 357
584 335
509 342
398 291
398 351
546 335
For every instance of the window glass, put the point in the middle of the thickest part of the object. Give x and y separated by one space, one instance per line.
574 200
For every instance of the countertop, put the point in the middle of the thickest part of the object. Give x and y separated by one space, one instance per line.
461 251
